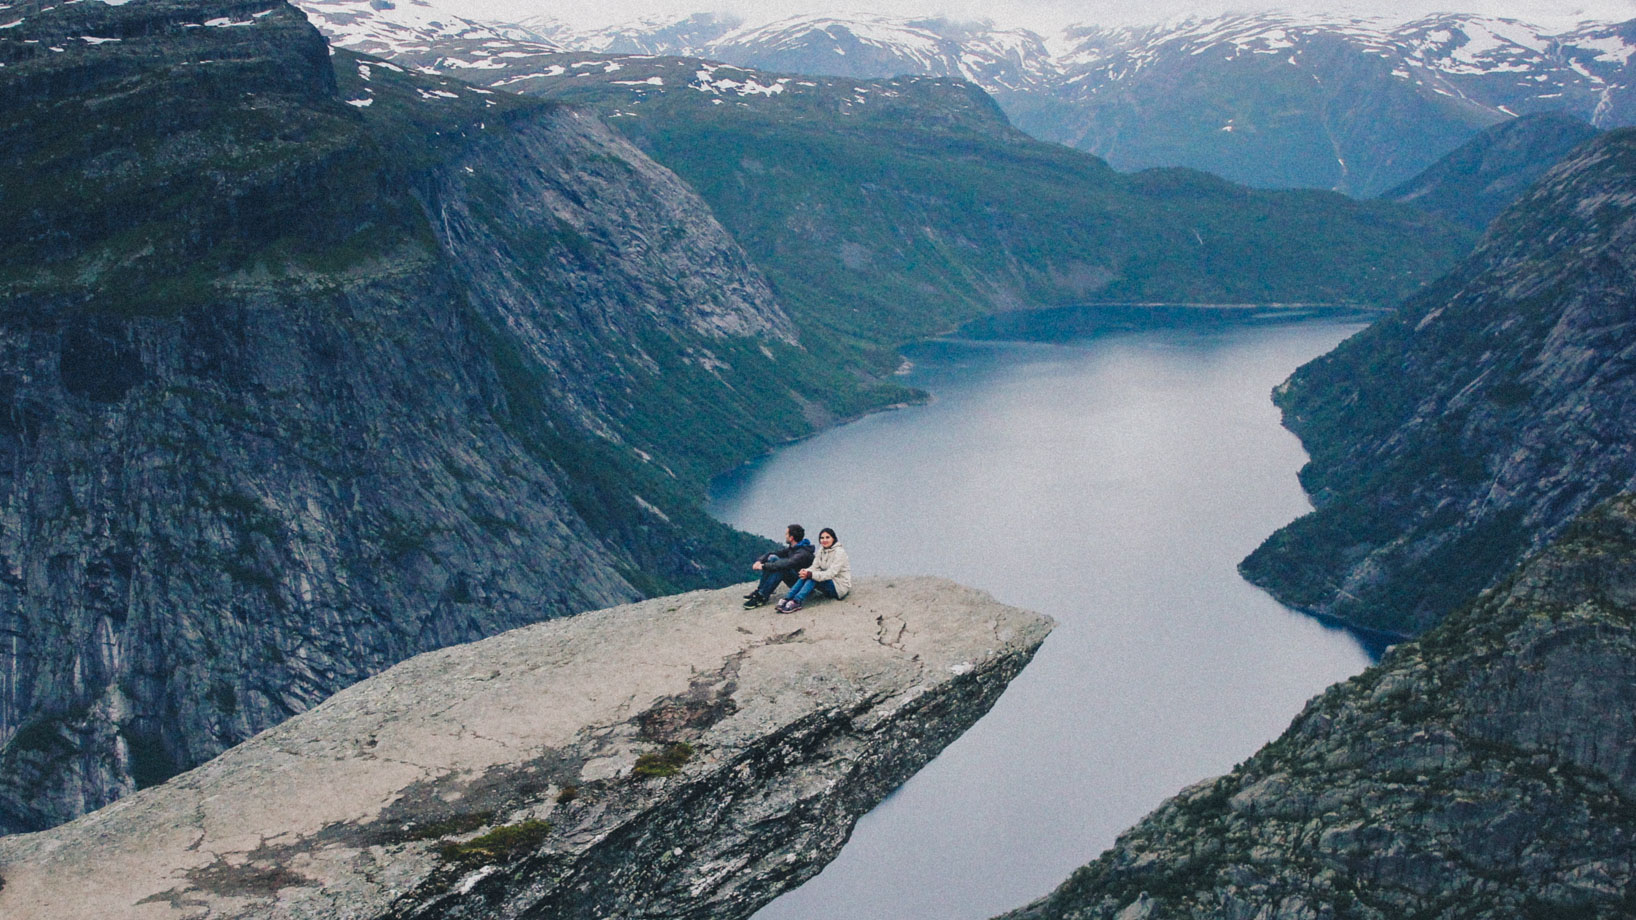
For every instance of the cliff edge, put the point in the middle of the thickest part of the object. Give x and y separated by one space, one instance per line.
678 757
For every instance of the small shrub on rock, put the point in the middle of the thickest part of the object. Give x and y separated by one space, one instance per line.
667 762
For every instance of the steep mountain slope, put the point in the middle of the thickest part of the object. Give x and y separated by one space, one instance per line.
1468 428
313 364
1483 772
1472 185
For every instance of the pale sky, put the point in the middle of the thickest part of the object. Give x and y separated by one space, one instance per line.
1041 15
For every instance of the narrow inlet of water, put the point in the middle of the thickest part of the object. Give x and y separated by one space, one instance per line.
1111 478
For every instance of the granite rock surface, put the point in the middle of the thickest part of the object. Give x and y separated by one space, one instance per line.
679 757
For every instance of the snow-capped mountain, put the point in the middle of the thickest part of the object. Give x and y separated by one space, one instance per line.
1355 104
999 60
864 46
418 32
1268 99
1493 62
684 36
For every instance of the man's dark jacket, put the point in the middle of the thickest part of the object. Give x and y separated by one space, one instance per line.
789 559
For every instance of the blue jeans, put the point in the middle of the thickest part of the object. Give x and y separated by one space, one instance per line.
770 580
804 587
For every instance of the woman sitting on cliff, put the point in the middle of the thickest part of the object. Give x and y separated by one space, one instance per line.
830 574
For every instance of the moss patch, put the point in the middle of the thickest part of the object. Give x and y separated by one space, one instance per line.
504 842
667 762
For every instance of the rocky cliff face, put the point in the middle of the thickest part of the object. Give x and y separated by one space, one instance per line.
1487 770
674 758
312 364
1471 426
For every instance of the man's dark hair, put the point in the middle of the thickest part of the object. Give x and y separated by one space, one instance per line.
797 531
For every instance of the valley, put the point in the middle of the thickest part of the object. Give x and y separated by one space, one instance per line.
327 354
1111 480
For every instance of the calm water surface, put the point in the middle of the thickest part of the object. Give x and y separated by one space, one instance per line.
1112 481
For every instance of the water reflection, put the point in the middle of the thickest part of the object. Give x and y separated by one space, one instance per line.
1111 480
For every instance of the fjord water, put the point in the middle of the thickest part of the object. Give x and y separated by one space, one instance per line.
1111 479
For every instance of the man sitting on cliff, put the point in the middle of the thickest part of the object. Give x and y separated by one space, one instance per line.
780 565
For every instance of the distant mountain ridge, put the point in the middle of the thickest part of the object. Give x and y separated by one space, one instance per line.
1266 99
1352 105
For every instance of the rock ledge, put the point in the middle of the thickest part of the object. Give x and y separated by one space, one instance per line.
501 778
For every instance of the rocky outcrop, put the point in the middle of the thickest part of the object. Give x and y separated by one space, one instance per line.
1483 176
675 758
1467 429
1487 770
311 364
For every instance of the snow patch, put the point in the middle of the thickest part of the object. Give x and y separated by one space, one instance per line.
705 81
1612 49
